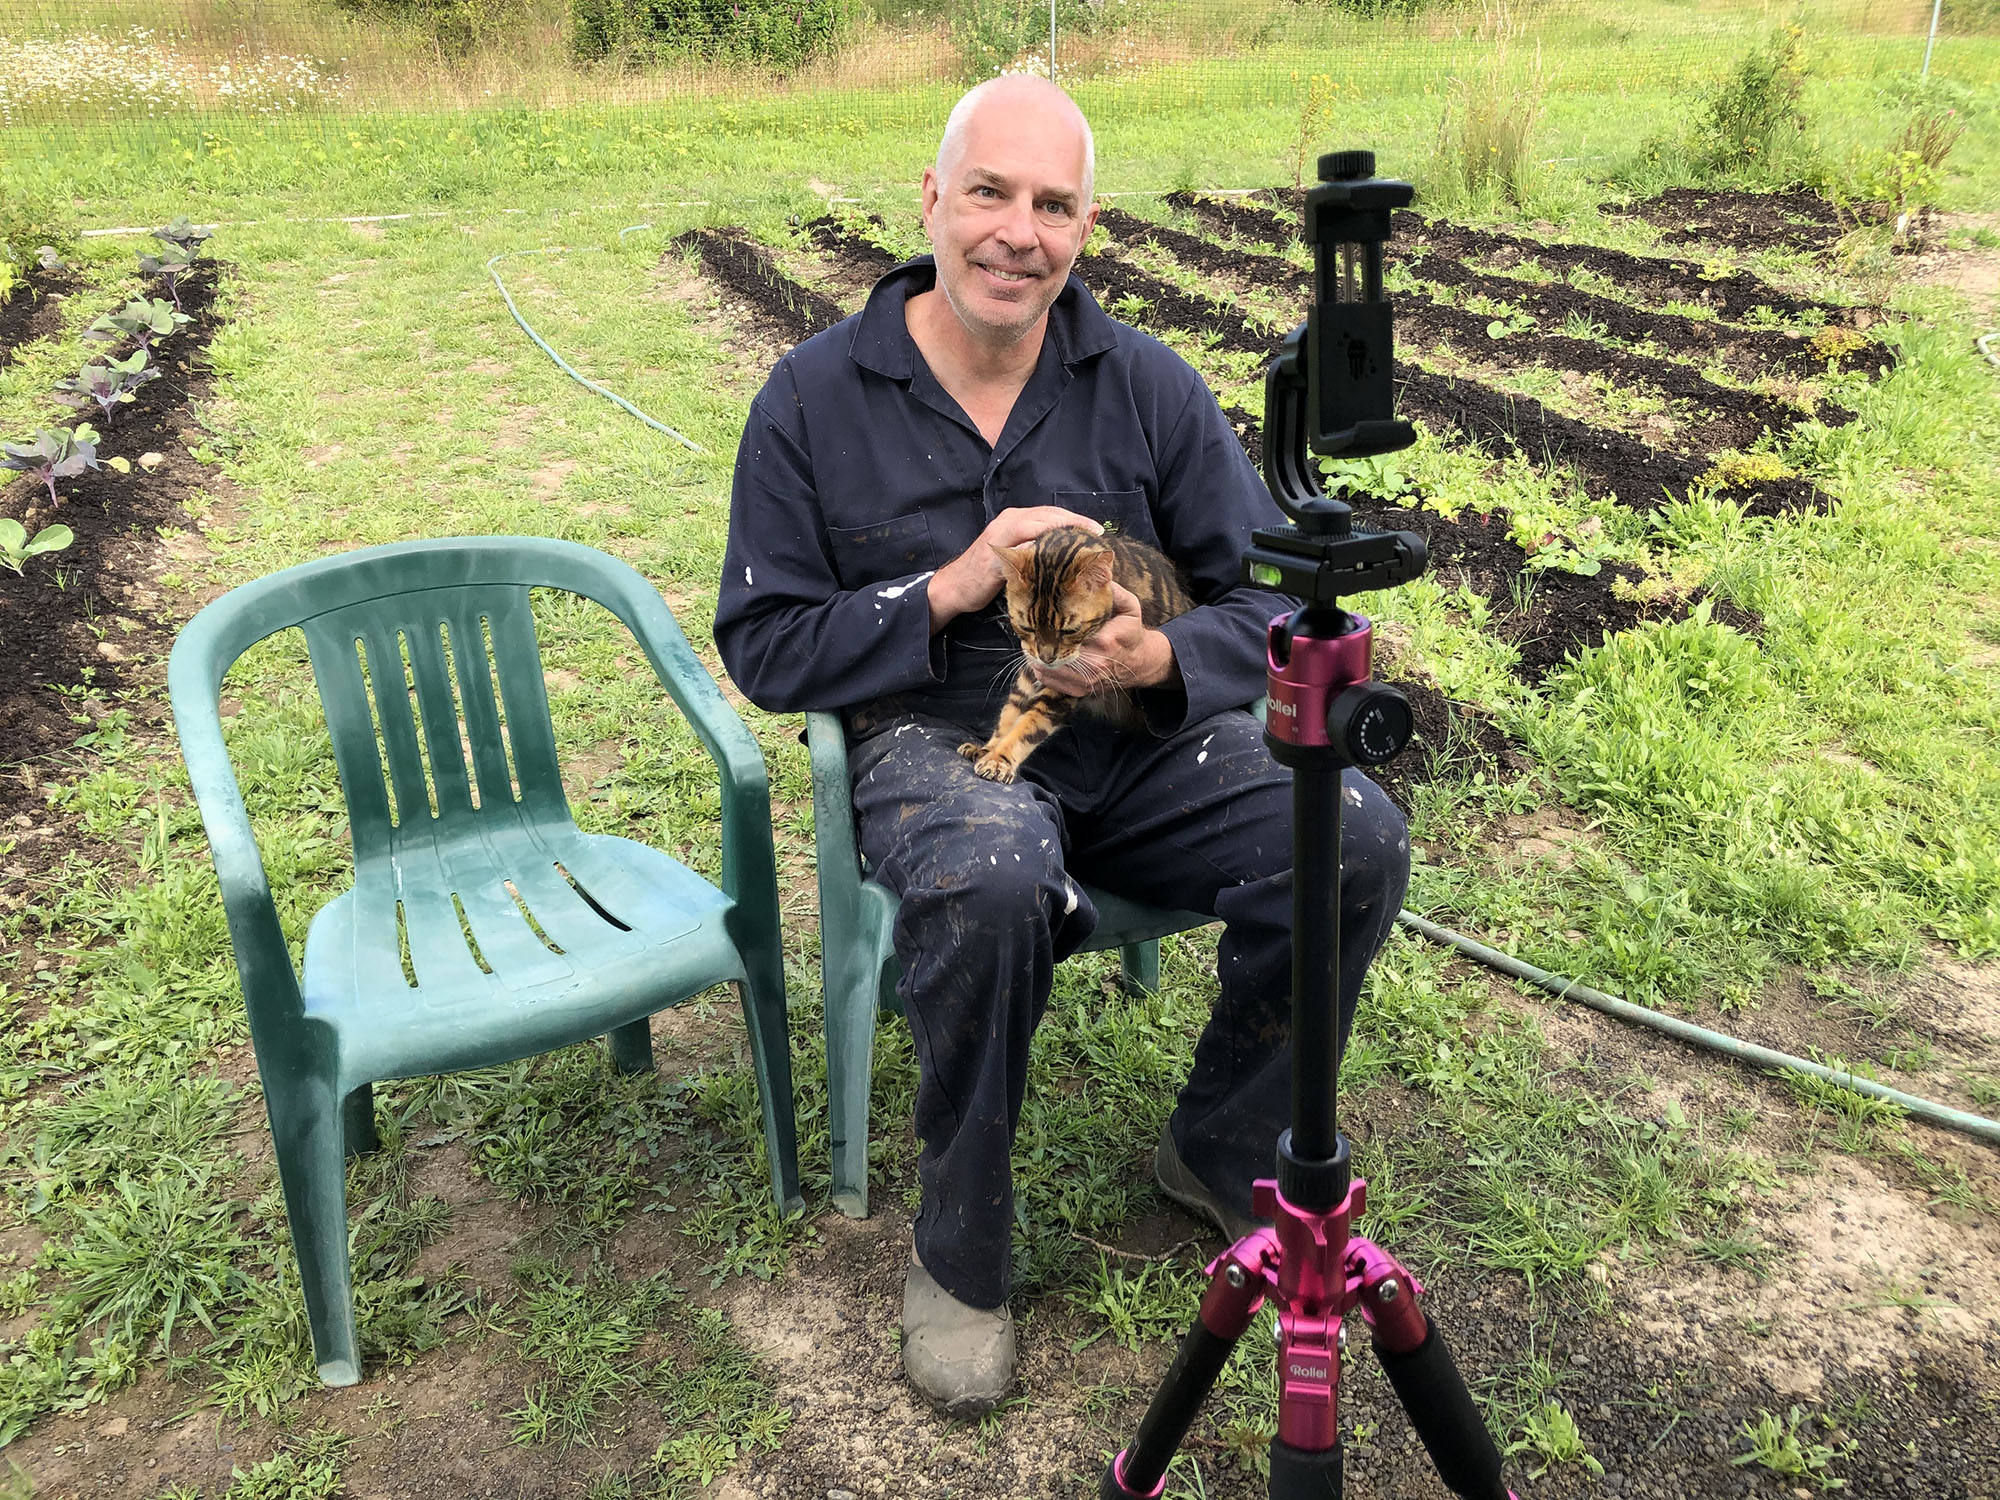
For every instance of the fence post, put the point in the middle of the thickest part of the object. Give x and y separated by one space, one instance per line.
1052 41
1936 7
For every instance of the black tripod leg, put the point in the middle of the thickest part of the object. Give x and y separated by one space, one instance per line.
1299 1475
1235 1292
1440 1408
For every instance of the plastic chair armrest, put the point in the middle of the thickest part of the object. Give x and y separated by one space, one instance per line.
263 962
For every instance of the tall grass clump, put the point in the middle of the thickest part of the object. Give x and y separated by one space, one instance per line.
776 33
1485 139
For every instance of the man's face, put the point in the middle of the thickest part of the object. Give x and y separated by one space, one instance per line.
1008 219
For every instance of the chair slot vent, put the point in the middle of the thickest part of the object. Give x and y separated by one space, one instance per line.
416 702
589 900
458 712
529 917
500 707
403 947
465 931
381 752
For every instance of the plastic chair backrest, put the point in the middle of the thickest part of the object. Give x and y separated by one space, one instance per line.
414 683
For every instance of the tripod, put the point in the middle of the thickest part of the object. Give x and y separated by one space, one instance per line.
1328 392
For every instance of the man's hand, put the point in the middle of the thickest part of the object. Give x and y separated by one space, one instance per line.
974 578
1124 654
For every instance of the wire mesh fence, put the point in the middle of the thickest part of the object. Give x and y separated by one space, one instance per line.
165 76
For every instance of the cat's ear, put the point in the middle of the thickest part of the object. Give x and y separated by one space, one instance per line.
1094 569
1015 560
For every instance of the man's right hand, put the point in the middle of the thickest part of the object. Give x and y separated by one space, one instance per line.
974 578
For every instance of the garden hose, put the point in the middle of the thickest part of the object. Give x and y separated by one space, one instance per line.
1715 1041
1985 343
564 365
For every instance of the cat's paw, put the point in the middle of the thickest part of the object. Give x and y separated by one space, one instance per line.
994 768
972 749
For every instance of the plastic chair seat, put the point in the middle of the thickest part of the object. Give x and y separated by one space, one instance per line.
656 930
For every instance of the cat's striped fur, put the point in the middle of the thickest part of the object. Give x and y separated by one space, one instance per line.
1059 596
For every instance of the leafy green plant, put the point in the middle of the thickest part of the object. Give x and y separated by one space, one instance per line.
183 236
1744 116
1779 1444
52 454
10 274
143 318
170 265
1550 1433
16 546
110 385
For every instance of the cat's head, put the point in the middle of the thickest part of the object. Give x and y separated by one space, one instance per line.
1058 592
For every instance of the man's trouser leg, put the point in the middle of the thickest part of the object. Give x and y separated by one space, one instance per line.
986 912
1204 821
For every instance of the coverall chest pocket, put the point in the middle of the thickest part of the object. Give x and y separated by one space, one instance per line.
882 550
1125 511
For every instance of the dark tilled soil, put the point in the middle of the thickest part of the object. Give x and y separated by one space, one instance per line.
1609 463
62 622
34 311
1730 417
1742 221
787 309
1755 351
860 254
1451 738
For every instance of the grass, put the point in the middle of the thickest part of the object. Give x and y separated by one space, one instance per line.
370 388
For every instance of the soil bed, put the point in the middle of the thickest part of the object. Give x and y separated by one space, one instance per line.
1754 350
64 621
1730 417
34 311
1740 220
787 308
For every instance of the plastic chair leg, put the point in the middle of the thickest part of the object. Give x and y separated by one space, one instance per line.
632 1046
764 1017
309 1134
1141 965
357 1119
850 1058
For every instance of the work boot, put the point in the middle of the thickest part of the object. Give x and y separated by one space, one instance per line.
960 1358
1191 1193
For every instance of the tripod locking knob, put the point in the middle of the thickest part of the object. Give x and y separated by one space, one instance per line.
1370 722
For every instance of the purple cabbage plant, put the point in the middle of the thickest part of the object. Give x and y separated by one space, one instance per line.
110 384
143 318
183 236
170 265
61 453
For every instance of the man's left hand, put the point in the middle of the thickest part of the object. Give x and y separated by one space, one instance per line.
1124 654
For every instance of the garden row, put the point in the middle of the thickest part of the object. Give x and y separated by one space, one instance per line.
1472 305
71 524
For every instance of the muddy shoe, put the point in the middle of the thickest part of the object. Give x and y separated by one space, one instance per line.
960 1358
1191 1193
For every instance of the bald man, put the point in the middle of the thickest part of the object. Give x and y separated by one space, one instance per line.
980 398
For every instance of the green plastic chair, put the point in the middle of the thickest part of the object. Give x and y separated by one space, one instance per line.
859 968
483 926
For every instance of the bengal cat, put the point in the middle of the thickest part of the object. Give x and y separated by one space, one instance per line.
1058 597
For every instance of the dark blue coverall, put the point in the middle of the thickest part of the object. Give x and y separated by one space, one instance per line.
858 477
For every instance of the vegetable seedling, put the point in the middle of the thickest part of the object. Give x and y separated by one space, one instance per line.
110 384
51 455
170 265
16 547
183 236
143 318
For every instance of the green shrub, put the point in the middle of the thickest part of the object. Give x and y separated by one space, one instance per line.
993 35
781 33
453 25
1746 116
30 220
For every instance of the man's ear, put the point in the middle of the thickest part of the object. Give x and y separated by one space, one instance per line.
929 197
1014 559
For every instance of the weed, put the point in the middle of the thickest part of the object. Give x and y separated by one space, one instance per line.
1551 1435
1158 1303
1485 136
307 1468
152 1254
1315 119
1780 1445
